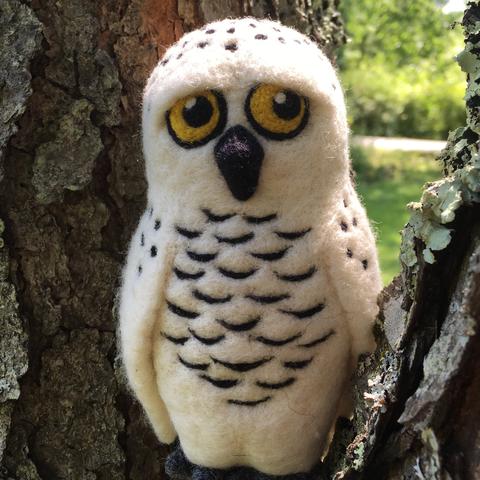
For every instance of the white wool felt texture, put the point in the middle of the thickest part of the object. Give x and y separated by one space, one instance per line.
248 371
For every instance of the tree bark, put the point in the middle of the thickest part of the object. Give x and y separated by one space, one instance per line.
71 191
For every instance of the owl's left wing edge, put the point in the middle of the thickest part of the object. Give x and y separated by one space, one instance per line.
140 301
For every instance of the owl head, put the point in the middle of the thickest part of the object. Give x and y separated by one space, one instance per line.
243 114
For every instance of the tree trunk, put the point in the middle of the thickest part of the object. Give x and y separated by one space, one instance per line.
71 191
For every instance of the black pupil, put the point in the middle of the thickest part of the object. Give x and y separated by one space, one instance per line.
288 109
199 113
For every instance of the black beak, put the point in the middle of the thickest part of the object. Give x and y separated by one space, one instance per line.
239 157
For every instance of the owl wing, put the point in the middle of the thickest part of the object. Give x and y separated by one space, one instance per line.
352 261
142 294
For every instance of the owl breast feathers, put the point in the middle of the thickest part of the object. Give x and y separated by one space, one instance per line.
251 282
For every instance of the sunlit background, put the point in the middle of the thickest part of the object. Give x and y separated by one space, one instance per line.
402 83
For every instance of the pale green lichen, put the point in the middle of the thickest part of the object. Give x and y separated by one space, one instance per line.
430 218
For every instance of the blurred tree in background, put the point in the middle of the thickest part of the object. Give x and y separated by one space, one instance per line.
399 70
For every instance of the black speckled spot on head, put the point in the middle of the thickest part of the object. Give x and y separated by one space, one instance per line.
354 222
276 29
344 226
260 36
210 31
365 264
185 43
164 62
157 225
202 44
231 30
281 39
153 251
142 240
140 269
232 47
179 56
349 253
252 25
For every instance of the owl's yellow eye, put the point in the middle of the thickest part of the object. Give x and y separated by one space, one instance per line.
196 119
276 112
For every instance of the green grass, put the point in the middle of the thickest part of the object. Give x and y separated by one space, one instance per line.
387 181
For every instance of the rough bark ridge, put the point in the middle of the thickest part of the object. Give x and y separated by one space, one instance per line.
417 409
71 76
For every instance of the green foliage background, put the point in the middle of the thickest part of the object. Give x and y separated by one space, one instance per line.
398 69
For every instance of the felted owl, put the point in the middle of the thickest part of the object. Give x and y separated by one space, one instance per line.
251 281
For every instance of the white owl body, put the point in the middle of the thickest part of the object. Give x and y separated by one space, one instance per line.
245 305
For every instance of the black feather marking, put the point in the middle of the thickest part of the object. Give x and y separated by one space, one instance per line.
236 275
307 313
277 343
267 299
242 366
293 235
349 253
298 364
153 251
240 327
220 383
193 366
213 217
297 278
318 340
257 220
365 264
157 224
248 403
142 240
175 340
201 257
206 340
344 226
188 233
276 386
235 240
187 275
209 299
181 312
270 256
